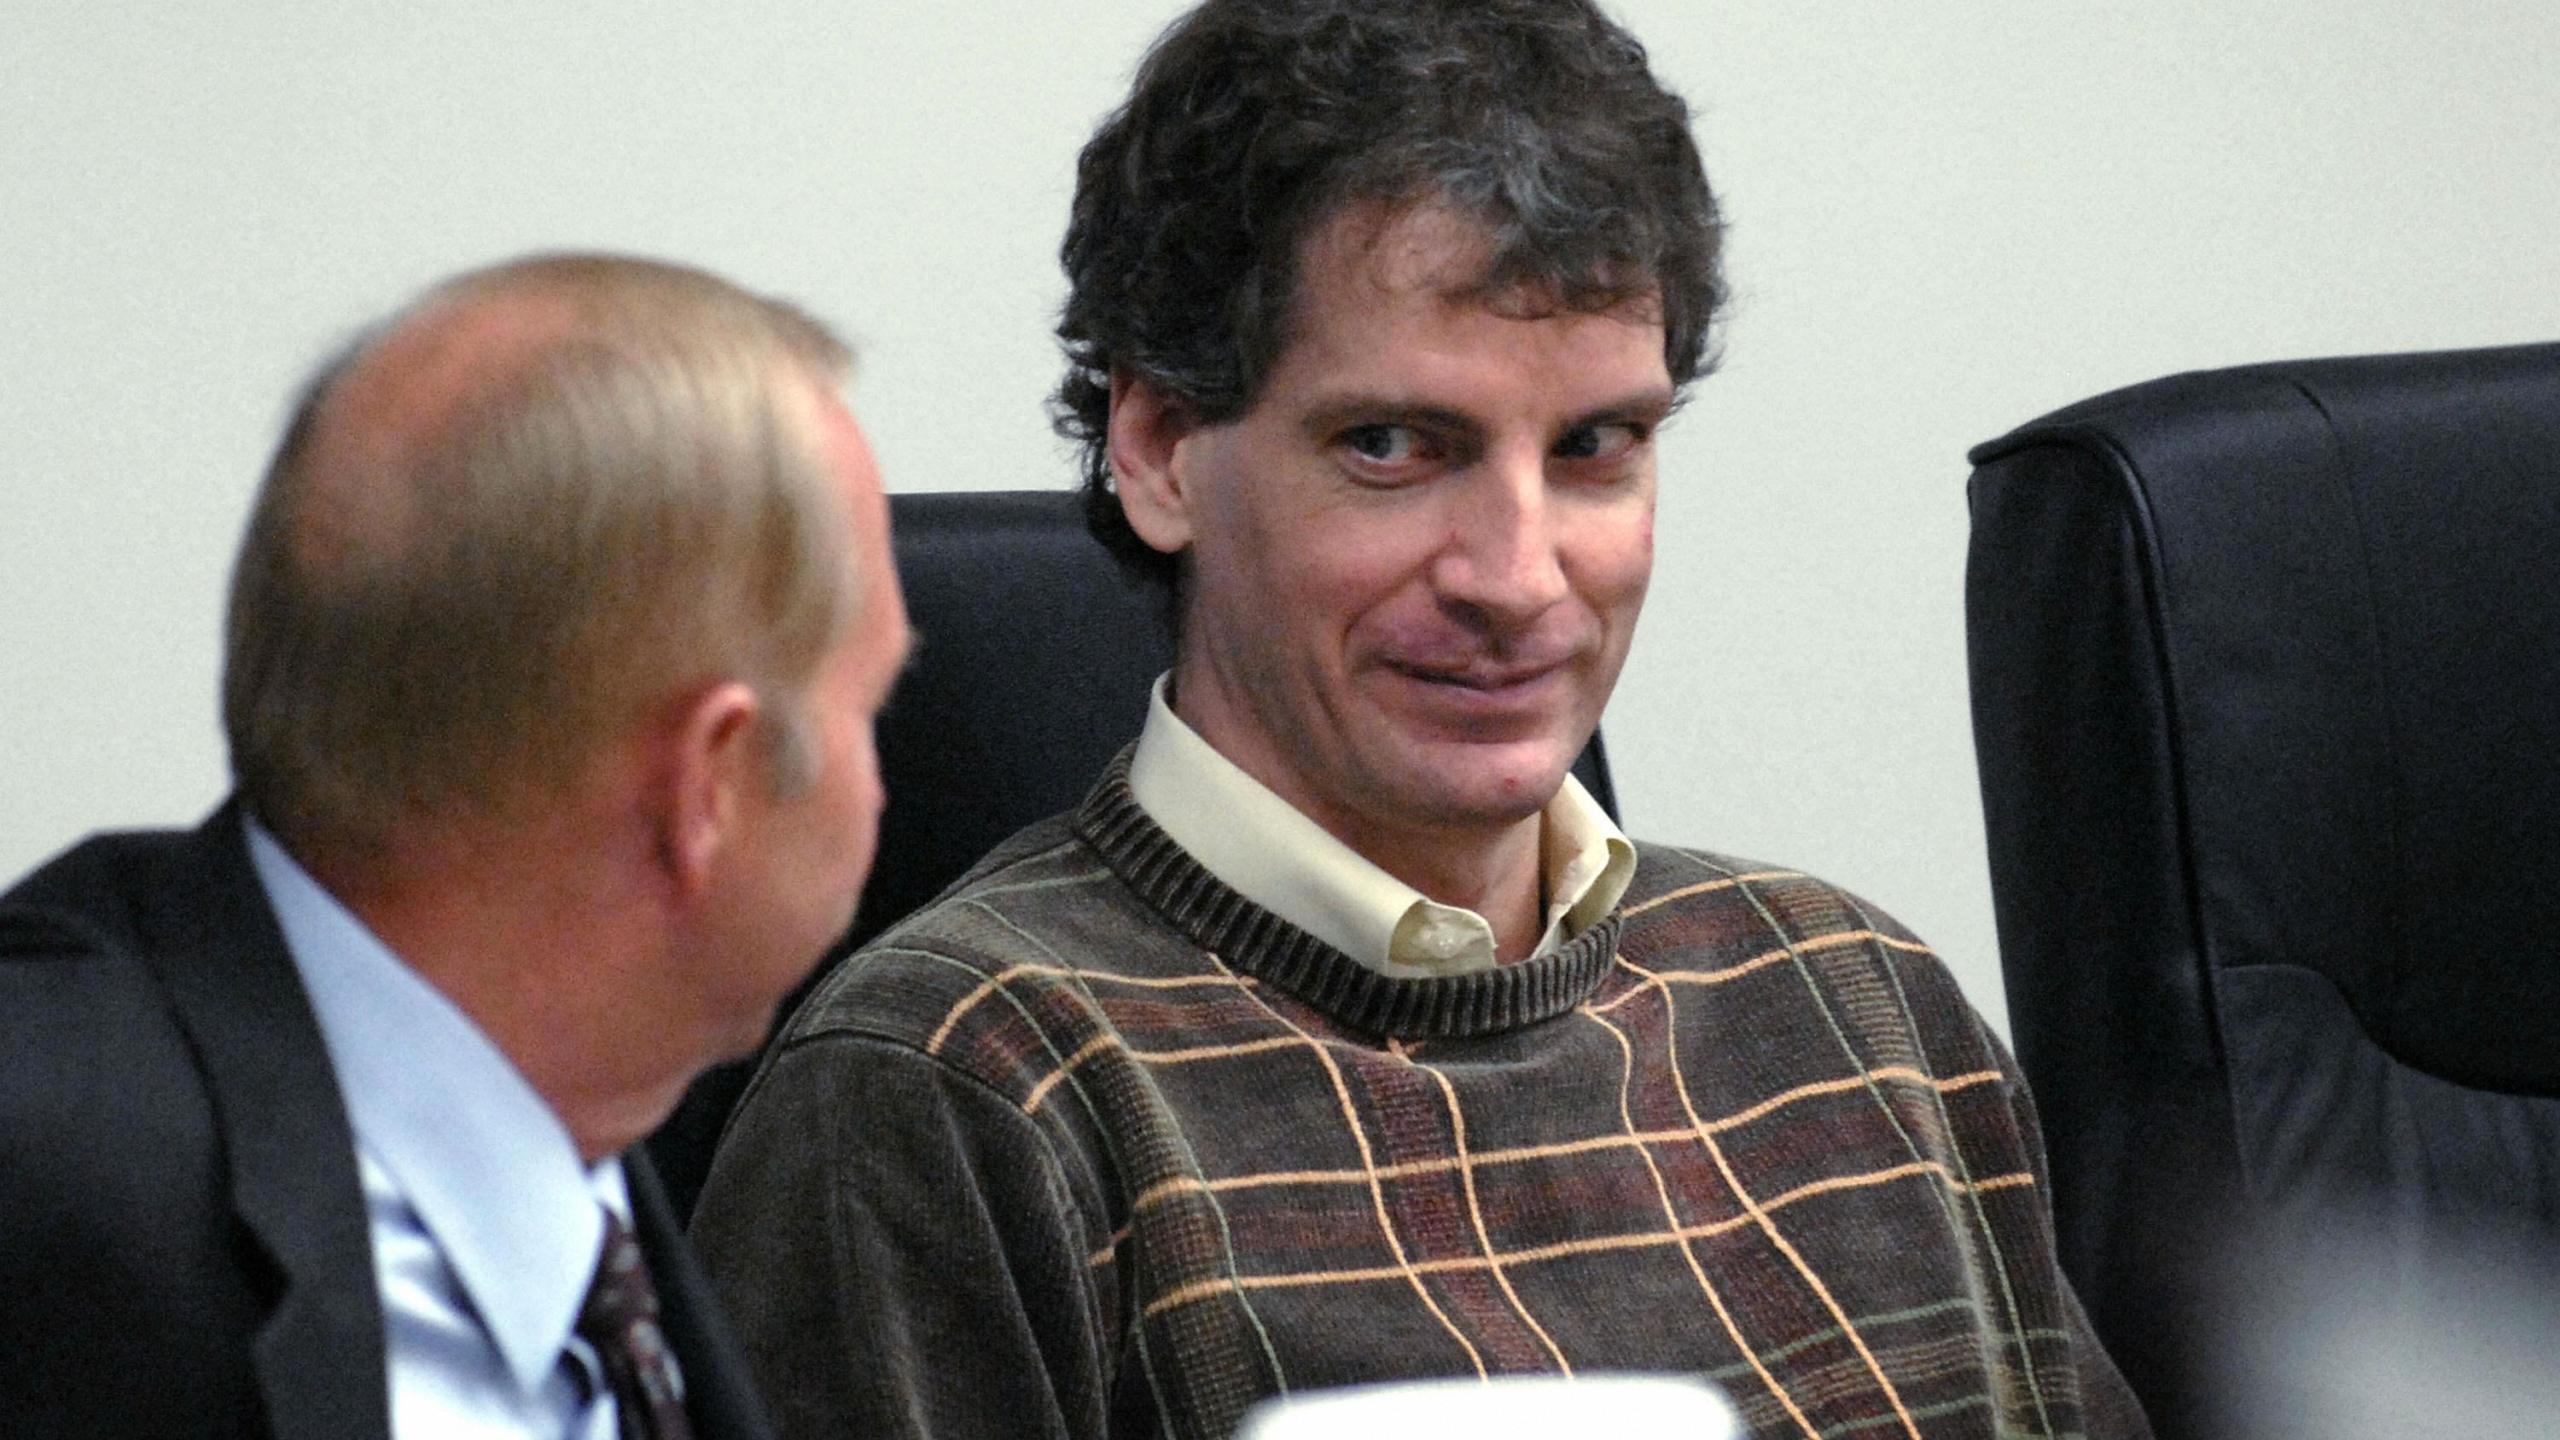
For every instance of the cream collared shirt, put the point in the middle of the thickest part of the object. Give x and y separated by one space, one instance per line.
1284 862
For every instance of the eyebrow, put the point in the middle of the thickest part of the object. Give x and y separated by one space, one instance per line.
1651 405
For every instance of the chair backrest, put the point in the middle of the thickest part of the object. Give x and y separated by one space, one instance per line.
2266 692
1035 654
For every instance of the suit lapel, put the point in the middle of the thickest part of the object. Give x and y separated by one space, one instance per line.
214 943
720 1394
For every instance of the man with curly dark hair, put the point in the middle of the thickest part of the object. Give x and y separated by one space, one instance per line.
1339 1035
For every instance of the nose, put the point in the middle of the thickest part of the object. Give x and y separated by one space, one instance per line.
1503 559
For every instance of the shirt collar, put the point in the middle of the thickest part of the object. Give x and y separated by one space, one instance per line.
1261 846
484 1162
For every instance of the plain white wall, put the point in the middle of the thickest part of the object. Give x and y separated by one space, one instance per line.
1946 219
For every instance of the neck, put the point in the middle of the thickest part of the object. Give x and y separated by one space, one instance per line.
1495 868
1499 874
543 960
1170 883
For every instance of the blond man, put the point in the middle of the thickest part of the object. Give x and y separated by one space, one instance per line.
553 652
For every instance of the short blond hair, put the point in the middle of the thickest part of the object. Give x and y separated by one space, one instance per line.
458 604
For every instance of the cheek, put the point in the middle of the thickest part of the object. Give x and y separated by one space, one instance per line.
868 794
1381 558
1639 560
1611 563
1277 583
1278 564
1631 543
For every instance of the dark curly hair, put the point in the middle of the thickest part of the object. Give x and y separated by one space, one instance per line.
1254 121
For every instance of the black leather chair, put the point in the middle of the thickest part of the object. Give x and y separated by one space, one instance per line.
1035 654
2266 693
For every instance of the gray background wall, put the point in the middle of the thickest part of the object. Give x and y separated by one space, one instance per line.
1946 219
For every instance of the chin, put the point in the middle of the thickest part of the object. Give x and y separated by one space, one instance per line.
1494 781
1486 800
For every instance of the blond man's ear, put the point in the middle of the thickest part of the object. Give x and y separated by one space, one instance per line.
711 773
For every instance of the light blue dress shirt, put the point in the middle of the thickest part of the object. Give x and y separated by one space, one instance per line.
485 1224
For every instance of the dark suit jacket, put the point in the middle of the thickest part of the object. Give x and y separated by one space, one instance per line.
183 1243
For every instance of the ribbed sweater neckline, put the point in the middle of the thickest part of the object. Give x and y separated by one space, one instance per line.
1250 939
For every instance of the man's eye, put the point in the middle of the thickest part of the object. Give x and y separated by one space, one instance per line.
1610 441
1384 444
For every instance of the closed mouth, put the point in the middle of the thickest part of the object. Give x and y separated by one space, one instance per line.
1483 679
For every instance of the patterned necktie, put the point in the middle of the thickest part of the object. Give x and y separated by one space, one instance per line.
621 1321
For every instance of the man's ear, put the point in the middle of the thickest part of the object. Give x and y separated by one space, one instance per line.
1148 427
712 777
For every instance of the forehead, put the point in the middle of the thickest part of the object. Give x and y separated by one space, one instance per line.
855 470
1399 298
879 633
1397 249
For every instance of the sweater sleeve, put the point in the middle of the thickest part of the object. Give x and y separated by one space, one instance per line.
901 1255
2108 1407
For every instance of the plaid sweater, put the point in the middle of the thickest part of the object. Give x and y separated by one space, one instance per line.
1093 1146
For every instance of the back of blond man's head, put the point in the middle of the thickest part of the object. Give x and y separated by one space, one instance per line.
513 521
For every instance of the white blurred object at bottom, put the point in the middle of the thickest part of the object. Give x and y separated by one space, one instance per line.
1510 1407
